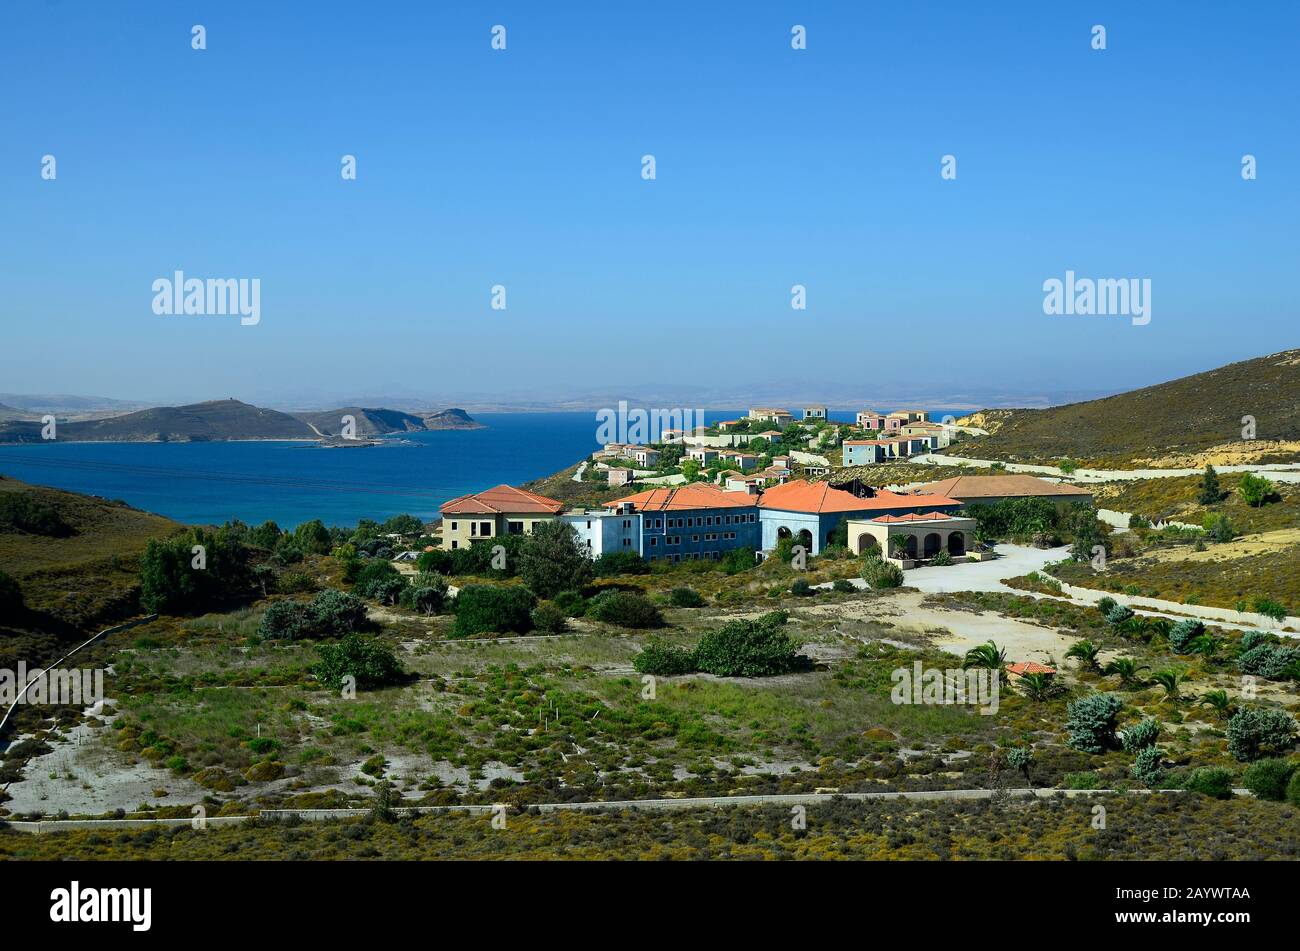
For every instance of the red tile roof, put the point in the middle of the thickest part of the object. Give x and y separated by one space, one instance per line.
1029 667
998 486
503 499
803 496
915 517
700 495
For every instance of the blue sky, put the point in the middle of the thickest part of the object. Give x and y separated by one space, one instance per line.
522 168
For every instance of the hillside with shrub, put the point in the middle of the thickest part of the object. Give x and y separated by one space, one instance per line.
1189 415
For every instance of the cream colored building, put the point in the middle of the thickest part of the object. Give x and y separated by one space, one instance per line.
923 535
503 510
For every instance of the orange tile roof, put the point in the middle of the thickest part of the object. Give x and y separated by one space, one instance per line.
1029 667
502 499
800 495
916 517
696 495
997 486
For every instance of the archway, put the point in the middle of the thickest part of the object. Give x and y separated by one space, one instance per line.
867 543
805 539
782 532
903 546
957 544
933 544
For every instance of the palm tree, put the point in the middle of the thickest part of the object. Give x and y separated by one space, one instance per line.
986 657
1128 670
1086 652
1039 686
1219 700
1168 679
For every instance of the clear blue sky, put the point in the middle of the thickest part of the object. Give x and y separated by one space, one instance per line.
523 168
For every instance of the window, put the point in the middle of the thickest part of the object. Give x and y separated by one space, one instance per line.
485 528
654 542
454 543
453 526
517 528
627 542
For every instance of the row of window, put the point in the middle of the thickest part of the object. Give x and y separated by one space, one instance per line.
653 541
702 520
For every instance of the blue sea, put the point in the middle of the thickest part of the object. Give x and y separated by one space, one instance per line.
293 482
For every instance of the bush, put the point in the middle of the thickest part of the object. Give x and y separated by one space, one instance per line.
664 660
801 588
1253 639
843 585
1270 608
11 596
172 583
625 609
330 614
22 513
371 578
1147 767
1183 633
548 619
1268 660
1268 778
551 559
686 598
743 648
571 603
1119 615
364 658
486 608
1212 781
1293 789
426 596
1142 735
1105 605
1255 490
619 563
1254 732
879 573
1091 722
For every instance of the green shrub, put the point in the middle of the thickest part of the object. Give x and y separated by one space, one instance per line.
1270 608
548 619
1268 660
172 583
1105 605
686 598
843 585
1141 735
615 563
1183 633
283 620
1253 639
373 576
801 588
1091 722
1255 732
485 608
1212 781
744 648
426 595
1119 615
625 609
664 660
1148 768
333 613
571 603
1268 778
879 573
364 658
22 513
1293 789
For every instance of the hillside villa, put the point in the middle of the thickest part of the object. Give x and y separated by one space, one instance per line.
503 510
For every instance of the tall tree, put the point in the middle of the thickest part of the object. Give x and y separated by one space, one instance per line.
1210 491
551 560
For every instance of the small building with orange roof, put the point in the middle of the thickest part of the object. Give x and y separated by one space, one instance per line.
690 522
810 512
502 510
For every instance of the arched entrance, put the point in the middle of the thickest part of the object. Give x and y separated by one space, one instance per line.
957 544
805 539
933 544
903 546
868 543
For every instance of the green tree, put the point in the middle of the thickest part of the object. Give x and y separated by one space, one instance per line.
986 657
11 596
1255 490
364 658
1211 493
196 571
1254 732
1091 720
1268 778
744 648
487 608
551 560
1086 652
313 537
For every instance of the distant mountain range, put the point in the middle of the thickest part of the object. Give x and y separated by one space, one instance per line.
224 420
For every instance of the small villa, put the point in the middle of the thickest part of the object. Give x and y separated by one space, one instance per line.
914 537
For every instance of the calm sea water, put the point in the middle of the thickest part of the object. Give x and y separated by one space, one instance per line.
292 482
